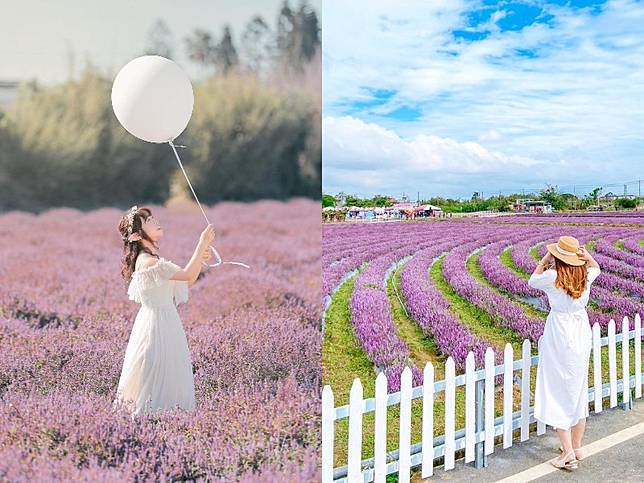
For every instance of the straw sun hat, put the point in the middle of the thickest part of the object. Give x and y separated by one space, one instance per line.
566 250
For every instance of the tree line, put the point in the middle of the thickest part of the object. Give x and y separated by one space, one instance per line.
550 194
254 133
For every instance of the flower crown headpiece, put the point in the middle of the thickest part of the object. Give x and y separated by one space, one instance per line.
130 222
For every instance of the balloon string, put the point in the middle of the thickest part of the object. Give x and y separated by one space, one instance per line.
188 180
219 259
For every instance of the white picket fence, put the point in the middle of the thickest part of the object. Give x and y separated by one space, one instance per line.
480 424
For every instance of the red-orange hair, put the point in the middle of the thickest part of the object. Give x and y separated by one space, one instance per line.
572 279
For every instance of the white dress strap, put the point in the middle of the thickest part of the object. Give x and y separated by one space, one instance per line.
150 277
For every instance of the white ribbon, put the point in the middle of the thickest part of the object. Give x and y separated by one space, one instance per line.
214 251
565 252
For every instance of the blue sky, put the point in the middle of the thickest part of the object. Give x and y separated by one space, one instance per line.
37 36
448 97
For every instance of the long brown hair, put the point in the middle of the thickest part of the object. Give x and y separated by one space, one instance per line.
132 249
572 279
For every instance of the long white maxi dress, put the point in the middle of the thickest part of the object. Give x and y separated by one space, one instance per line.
157 369
561 393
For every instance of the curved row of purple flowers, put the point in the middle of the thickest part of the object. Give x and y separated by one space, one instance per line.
502 277
383 245
372 319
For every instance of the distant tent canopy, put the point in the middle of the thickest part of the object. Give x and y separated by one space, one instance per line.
398 211
428 208
403 206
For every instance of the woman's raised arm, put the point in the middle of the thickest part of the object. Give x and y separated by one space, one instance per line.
545 263
584 255
191 271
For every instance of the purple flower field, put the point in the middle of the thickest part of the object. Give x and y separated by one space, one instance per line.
254 338
376 248
590 218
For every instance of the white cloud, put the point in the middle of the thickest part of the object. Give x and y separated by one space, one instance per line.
366 158
491 136
577 104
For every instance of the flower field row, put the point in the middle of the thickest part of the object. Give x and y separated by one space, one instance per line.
501 293
371 312
609 302
633 219
428 307
65 319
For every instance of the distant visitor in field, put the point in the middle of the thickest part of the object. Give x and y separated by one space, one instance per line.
565 274
157 370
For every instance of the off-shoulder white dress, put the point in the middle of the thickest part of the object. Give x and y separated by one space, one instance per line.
561 392
157 369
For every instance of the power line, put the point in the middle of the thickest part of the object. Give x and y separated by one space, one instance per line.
574 188
577 190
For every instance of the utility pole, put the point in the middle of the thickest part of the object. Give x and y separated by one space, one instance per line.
574 193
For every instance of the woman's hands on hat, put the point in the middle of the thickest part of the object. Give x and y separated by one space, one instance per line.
547 261
583 253
587 257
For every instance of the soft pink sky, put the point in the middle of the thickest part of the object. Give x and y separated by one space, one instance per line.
37 35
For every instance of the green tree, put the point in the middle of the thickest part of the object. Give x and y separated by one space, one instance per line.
298 35
499 203
225 56
626 203
201 48
353 201
248 141
68 149
551 195
328 200
160 40
594 195
256 44
381 200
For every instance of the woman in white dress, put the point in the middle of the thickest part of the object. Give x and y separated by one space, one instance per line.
561 395
157 369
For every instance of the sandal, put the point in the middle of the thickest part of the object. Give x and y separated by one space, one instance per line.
560 462
579 454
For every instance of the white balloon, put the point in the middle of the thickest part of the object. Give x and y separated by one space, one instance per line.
152 98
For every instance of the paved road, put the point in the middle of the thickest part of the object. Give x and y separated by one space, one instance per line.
622 462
